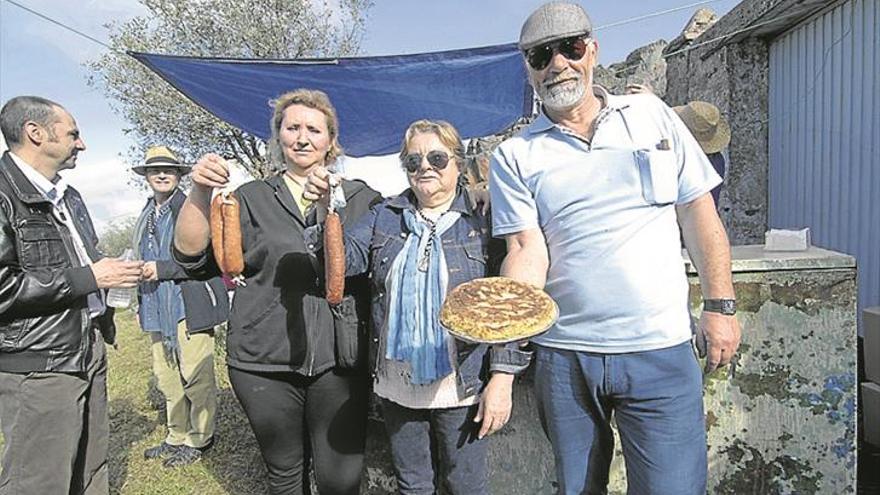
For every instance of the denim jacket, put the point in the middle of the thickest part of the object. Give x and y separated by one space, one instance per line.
372 244
205 302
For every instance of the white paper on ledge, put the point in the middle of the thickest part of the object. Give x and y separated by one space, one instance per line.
787 240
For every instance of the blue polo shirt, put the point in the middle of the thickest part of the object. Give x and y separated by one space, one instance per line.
607 211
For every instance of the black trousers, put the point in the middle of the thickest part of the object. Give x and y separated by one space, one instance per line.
293 416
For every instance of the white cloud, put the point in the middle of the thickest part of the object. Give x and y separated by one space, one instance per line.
107 189
382 173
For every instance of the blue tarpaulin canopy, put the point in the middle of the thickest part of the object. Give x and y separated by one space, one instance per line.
481 91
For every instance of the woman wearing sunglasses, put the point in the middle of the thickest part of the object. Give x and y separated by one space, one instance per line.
416 247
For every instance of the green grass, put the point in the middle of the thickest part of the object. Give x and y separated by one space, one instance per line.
137 420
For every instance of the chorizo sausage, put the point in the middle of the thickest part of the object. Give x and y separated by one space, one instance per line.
232 255
217 229
226 235
334 258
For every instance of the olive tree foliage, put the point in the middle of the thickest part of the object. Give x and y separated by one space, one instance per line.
117 236
262 29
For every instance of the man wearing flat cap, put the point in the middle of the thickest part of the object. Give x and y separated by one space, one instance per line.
590 198
180 316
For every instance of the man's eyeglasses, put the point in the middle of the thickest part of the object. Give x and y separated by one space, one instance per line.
437 159
572 48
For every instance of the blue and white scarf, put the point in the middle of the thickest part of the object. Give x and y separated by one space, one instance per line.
161 302
415 297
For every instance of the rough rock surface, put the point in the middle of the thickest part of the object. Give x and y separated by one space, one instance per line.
644 65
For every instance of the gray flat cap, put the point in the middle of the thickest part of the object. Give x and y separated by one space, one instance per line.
553 21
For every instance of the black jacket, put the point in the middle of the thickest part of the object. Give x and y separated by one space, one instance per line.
44 317
280 320
205 302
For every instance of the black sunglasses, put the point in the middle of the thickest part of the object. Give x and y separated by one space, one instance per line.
437 159
572 48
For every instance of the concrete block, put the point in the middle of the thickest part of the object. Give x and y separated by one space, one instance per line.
787 240
871 335
871 412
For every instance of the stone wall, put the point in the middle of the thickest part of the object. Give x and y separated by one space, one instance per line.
644 65
728 65
783 418
719 79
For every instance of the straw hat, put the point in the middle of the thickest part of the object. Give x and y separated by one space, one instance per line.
706 124
160 156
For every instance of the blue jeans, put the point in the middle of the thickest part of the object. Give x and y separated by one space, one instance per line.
656 398
417 435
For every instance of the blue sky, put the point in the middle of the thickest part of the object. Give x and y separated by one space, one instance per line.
38 57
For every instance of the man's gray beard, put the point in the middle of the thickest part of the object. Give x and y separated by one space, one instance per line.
562 97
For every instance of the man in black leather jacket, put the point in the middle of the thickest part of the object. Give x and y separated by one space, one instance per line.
53 319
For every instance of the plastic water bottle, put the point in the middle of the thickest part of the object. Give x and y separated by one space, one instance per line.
118 297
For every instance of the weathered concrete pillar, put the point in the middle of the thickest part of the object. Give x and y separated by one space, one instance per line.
784 419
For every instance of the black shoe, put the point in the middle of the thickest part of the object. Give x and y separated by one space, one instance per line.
208 445
162 450
184 456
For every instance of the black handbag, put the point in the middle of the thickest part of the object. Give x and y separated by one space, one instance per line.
350 335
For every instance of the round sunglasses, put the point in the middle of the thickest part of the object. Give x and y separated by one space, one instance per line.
436 158
572 48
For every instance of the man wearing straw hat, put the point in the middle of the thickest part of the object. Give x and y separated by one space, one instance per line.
590 198
711 131
180 316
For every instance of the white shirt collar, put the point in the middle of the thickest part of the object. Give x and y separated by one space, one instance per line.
40 182
609 102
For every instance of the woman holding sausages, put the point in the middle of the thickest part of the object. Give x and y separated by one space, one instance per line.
416 247
293 361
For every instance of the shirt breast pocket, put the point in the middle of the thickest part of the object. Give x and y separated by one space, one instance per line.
659 176
475 257
40 245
